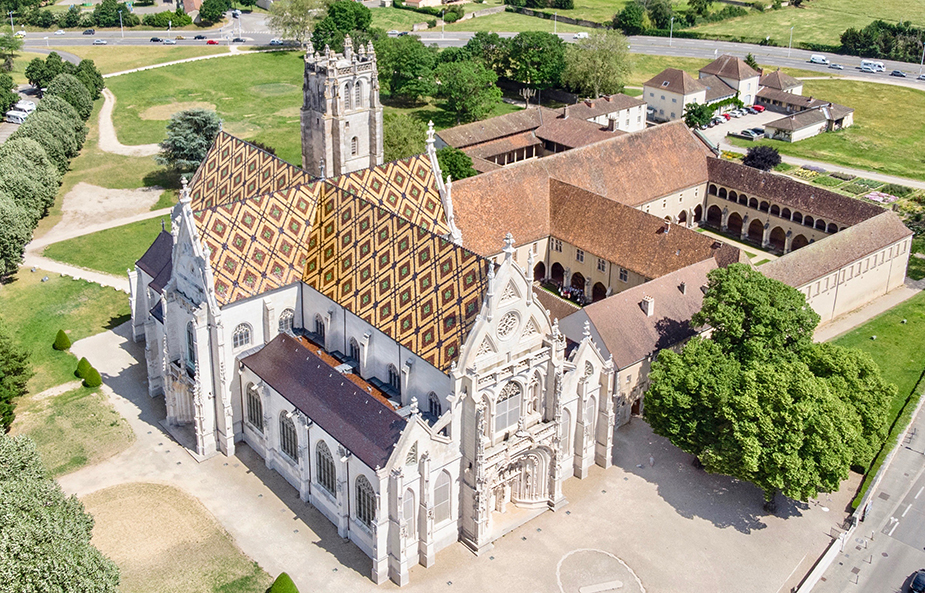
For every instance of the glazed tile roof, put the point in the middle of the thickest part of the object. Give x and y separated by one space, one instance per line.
730 67
785 191
365 426
234 169
821 258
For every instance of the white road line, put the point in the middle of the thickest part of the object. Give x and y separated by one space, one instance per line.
895 525
919 492
907 510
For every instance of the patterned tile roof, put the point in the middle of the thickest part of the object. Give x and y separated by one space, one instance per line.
234 169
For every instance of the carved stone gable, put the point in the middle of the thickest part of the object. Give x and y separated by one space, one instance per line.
510 293
485 348
530 329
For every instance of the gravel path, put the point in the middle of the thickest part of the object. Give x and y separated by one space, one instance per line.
109 142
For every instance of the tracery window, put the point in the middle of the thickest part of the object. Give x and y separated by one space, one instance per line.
434 405
366 501
394 378
288 442
507 410
354 350
354 146
190 346
241 336
327 473
285 321
254 408
442 491
358 99
319 327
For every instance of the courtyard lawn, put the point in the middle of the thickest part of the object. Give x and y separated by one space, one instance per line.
112 250
194 554
510 22
819 21
110 58
888 134
900 353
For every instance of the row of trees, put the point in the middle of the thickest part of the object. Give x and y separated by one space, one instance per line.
38 153
107 13
642 15
761 402
893 41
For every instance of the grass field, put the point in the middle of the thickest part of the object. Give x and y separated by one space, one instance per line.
916 269
888 134
112 250
509 22
646 66
165 540
819 21
36 310
396 19
112 58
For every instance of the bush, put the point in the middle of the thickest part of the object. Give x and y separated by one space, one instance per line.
83 368
69 88
283 584
62 342
854 188
842 176
760 5
869 183
93 378
162 20
900 191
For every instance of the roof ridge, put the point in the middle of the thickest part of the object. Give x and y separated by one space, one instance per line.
263 195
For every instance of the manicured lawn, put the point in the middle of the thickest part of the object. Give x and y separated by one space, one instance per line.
397 19
111 251
509 22
112 58
36 310
888 134
819 21
916 269
194 554
900 352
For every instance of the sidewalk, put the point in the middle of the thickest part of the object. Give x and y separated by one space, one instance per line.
849 321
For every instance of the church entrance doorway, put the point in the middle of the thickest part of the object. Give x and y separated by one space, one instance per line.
539 272
558 273
698 213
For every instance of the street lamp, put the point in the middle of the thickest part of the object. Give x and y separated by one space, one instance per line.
120 25
670 32
11 22
169 23
790 45
555 23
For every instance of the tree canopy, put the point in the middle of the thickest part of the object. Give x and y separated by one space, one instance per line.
46 535
698 114
213 11
69 88
17 230
632 20
489 48
295 19
599 64
190 135
759 400
469 88
15 372
406 68
536 59
455 163
403 136
762 157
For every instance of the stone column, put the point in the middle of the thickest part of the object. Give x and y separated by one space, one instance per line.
743 234
788 242
766 238
723 224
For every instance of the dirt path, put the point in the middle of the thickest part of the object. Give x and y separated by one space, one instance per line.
109 142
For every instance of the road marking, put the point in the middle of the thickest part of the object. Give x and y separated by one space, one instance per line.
907 510
895 525
601 587
628 569
919 492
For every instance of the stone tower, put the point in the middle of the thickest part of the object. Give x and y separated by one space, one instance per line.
341 115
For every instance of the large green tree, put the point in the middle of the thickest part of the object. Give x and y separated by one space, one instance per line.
758 400
406 68
698 114
403 136
46 535
16 225
7 97
91 77
536 59
212 11
701 7
455 163
491 49
295 19
9 45
189 136
469 88
632 20
69 88
40 167
15 372
598 64
57 105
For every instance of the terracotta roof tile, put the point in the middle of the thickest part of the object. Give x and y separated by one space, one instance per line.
798 121
496 127
730 67
675 81
558 308
486 150
591 108
717 89
789 99
573 132
779 81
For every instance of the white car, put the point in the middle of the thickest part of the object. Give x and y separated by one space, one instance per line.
20 33
276 42
99 42
60 32
580 36
169 42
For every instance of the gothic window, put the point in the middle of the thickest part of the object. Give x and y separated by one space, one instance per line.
288 442
565 431
190 346
358 98
408 512
579 255
601 265
354 146
366 501
623 275
241 336
434 405
533 403
285 321
319 327
354 350
327 474
394 378
507 325
254 408
347 96
442 492
507 411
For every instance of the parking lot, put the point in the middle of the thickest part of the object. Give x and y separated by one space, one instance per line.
717 133
6 128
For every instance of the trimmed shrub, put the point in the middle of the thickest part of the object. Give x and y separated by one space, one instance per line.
69 88
83 368
93 378
62 342
283 584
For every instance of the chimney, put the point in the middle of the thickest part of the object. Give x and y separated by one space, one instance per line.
667 226
683 288
648 305
565 112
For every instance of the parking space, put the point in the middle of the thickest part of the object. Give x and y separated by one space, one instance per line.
26 93
736 124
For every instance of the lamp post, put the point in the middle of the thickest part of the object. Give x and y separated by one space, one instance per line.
120 25
555 23
169 24
671 32
790 45
11 22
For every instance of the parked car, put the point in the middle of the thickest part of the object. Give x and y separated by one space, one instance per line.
89 31
392 33
751 110
59 32
403 33
717 120
726 116
758 108
211 42
834 66
749 134
898 73
20 33
917 585
759 131
24 105
169 42
99 42
156 40
736 113
198 37
238 40
818 59
581 35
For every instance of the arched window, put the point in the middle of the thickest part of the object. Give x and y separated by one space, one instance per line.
254 408
319 327
366 501
354 350
565 431
327 473
285 321
394 378
442 492
358 97
288 442
408 512
507 411
354 146
241 336
190 346
434 405
347 96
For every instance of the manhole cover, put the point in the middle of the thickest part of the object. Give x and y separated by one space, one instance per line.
884 554
884 496
855 570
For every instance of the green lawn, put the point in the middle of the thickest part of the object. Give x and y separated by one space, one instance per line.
509 22
111 251
888 134
646 66
818 21
900 352
112 58
916 269
397 19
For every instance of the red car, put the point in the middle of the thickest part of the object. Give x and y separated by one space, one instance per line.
726 115
211 42
758 108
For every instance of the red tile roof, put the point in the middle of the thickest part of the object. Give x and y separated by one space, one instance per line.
675 81
730 67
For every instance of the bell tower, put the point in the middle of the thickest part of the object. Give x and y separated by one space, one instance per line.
341 114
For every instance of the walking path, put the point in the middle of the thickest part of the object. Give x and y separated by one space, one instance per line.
849 321
109 142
